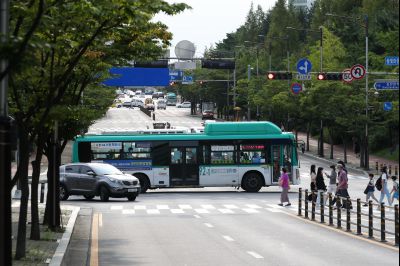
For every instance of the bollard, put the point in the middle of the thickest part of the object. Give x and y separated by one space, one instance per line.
312 206
306 204
330 209
396 224
359 217
396 170
348 221
322 207
339 217
370 220
41 192
390 169
154 116
383 233
381 165
300 195
377 167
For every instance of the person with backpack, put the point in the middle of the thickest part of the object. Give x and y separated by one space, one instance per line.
370 189
321 187
395 189
384 187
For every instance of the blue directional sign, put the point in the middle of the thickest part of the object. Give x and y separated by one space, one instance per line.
387 85
392 60
187 80
175 75
304 66
296 88
136 76
387 106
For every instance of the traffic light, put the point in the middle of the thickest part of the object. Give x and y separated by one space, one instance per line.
279 75
330 76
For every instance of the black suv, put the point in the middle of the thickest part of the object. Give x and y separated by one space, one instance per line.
97 179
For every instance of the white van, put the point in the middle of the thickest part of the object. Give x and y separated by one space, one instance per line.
162 104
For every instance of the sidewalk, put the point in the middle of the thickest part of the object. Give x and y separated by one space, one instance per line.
338 154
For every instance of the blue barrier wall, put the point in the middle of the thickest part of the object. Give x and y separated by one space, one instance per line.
136 76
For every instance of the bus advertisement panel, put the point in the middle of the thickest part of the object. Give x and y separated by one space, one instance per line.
249 155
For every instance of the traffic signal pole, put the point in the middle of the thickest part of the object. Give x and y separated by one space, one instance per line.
5 148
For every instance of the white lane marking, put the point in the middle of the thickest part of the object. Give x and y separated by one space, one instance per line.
273 210
255 255
228 238
208 225
116 207
128 211
197 216
153 211
231 206
201 211
208 207
177 211
140 207
250 210
185 206
226 211
275 206
100 219
253 206
162 207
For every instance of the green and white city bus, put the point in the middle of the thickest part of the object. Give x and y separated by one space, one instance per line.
237 154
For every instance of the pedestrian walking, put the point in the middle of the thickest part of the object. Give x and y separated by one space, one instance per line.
321 187
343 165
369 190
313 176
332 179
384 190
342 186
284 184
395 189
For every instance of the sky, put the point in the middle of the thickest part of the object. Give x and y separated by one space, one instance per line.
208 21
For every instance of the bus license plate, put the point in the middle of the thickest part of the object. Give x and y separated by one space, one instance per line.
132 190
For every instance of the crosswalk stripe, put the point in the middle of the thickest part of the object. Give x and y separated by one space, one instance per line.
185 207
153 211
140 207
253 206
118 207
226 211
230 206
129 211
177 211
201 211
249 210
162 207
208 207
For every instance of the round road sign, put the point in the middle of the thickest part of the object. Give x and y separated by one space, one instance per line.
296 88
346 75
358 71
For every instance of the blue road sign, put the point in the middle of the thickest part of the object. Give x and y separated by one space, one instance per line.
392 60
175 75
187 80
304 66
136 76
387 85
387 106
296 88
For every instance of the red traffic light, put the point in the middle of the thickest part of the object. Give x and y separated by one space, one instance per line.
321 76
271 76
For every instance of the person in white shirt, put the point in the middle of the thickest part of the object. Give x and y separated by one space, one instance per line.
385 190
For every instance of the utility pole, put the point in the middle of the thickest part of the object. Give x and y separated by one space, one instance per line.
5 147
248 99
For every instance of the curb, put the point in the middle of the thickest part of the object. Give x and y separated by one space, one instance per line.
58 256
333 161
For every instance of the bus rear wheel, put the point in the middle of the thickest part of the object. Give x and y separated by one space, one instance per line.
144 182
252 182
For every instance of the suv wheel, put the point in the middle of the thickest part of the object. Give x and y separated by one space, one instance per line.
104 194
63 193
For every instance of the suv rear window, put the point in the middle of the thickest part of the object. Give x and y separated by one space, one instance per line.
72 169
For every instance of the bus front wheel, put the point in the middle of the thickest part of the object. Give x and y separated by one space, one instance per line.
144 182
252 182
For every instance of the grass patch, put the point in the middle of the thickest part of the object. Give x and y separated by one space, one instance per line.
388 154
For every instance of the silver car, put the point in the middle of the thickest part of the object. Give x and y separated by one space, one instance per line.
97 179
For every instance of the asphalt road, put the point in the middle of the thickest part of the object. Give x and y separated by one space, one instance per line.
220 226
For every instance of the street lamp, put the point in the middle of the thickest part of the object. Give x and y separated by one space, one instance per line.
321 133
365 158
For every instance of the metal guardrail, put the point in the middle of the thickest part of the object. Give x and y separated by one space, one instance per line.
346 203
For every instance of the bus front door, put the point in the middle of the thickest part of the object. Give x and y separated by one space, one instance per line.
184 167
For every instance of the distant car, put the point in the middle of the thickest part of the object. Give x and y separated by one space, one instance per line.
184 105
128 103
97 179
155 95
161 104
207 114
